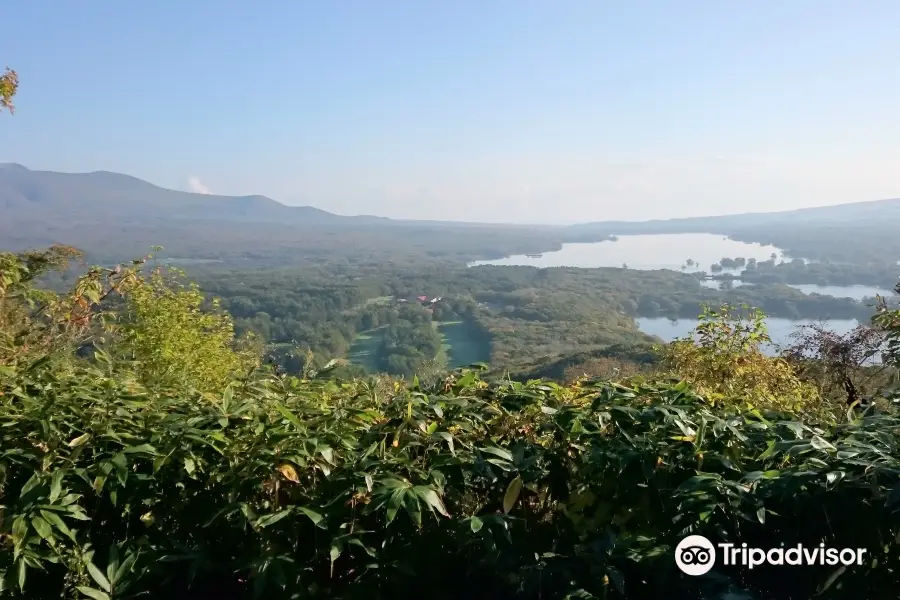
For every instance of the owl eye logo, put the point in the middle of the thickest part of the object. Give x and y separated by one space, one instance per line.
695 555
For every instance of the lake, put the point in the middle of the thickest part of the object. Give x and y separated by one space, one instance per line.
780 330
647 253
671 251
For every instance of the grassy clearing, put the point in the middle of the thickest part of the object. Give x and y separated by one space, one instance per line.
462 344
364 350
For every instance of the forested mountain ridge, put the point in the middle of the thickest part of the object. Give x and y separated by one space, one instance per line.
871 211
56 196
72 198
113 216
857 232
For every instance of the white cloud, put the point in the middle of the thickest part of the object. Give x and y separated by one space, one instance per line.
197 186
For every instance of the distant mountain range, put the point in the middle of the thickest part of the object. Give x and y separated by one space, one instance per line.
49 198
120 214
875 212
114 216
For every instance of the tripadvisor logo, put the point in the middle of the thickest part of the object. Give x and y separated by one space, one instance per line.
696 555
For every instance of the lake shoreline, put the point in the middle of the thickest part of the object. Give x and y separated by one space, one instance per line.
779 329
702 255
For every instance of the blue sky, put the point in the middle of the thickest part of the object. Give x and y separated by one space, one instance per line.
499 110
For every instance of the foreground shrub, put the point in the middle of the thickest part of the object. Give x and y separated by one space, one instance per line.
158 323
724 359
308 489
173 341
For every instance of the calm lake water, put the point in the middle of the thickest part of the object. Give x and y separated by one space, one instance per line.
671 251
780 330
646 252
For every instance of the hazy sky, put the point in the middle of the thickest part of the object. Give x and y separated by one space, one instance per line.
490 110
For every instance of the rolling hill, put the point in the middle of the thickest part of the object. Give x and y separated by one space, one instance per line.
114 216
858 233
49 198
874 212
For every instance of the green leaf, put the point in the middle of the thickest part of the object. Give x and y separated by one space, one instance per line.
504 454
289 416
820 444
432 499
313 515
512 494
125 568
120 462
395 501
98 576
112 564
32 483
358 542
448 438
467 379
80 440
56 485
476 524
55 520
76 512
327 453
334 554
505 465
93 593
273 518
140 449
43 528
20 527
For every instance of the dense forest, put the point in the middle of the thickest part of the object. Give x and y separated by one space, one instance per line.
510 317
145 449
848 242
881 273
